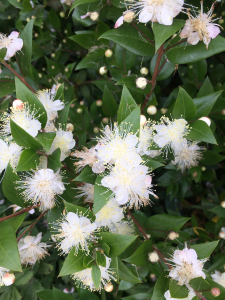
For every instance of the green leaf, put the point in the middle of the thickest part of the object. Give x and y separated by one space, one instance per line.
45 294
86 39
184 106
9 253
63 115
15 294
205 250
205 104
6 87
218 210
211 158
15 222
78 209
140 256
73 263
87 176
59 295
9 187
126 274
206 88
24 56
167 69
29 159
131 39
161 286
116 242
96 276
100 259
53 19
46 139
54 162
78 2
127 105
163 32
2 53
133 120
153 164
189 53
197 70
22 138
23 278
124 56
101 195
110 105
177 291
23 93
199 284
200 131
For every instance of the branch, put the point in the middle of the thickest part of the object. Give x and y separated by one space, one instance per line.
143 34
175 45
199 295
18 213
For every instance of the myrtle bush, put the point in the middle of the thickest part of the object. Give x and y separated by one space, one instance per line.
111 150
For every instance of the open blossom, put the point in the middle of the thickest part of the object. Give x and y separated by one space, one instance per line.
190 296
32 249
51 105
84 278
9 152
87 191
200 28
145 139
12 43
25 118
161 11
188 156
88 157
64 141
110 213
42 187
186 266
122 227
130 185
3 271
219 278
75 231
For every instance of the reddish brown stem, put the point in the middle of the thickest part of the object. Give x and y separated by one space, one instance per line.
17 75
199 295
143 34
18 213
160 69
175 45
42 153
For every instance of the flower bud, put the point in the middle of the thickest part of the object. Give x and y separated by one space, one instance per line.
203 169
8 279
64 41
153 277
62 14
36 34
81 102
79 110
215 291
94 16
173 235
221 21
163 110
151 110
222 235
69 127
99 103
108 53
143 120
222 204
153 257
129 16
28 19
148 235
144 71
206 120
108 287
72 105
223 112
96 130
103 70
18 104
105 120
53 55
53 67
141 83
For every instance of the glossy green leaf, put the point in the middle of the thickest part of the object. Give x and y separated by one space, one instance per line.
161 286
204 250
54 162
101 195
124 58
205 104
22 138
184 106
133 119
9 253
177 291
140 256
86 39
96 276
206 88
78 209
73 263
45 294
6 87
46 139
218 210
128 37
2 53
15 222
127 105
79 2
126 274
199 284
163 32
166 70
23 278
59 295
100 259
152 163
109 103
86 175
29 159
200 131
211 158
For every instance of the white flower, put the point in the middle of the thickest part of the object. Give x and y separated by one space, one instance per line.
130 185
52 106
200 28
12 43
122 227
186 266
127 16
222 233
145 139
219 278
86 191
8 153
32 249
2 273
170 133
89 157
161 11
191 295
110 213
84 277
64 141
42 187
8 279
75 231
25 118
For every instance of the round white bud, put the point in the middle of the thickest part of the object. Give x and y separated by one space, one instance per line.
222 204
143 120
65 31
18 104
221 21
79 110
163 110
69 127
53 67
129 16
148 235
36 34
108 287
66 70
64 41
94 16
173 235
103 70
49 80
62 14
203 169
81 102
151 110
190 67
43 69
144 71
72 105
53 55
153 257
108 53
9 18
141 83
222 235
99 103
206 120
223 112
105 120
39 75
215 291
8 279
96 130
